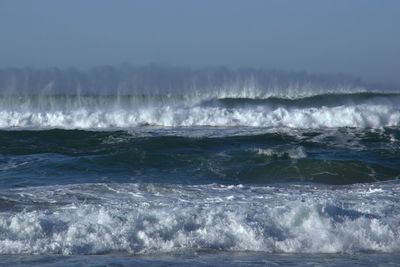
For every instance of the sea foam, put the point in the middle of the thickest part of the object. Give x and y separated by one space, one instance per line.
364 115
100 218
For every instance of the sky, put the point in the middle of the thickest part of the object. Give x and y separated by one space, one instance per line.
357 37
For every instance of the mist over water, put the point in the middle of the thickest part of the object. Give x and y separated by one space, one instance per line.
163 80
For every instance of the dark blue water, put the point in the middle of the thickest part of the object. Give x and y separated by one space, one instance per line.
100 181
219 259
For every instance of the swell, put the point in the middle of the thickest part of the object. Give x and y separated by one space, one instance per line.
130 101
316 101
343 156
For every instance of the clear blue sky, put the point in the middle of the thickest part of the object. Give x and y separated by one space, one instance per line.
358 37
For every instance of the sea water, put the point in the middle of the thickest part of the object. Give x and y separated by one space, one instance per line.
200 178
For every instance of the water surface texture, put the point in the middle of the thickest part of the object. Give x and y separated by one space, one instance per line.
243 175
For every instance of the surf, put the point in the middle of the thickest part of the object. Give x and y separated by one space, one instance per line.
129 218
105 113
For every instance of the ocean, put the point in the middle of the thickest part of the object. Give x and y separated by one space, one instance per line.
299 177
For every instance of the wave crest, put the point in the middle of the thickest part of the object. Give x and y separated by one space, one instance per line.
371 116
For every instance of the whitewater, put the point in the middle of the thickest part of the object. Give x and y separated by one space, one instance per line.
174 166
148 218
368 110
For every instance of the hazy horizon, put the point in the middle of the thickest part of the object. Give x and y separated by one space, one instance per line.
358 38
87 69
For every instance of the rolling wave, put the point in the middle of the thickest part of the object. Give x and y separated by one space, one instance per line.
364 110
205 155
128 97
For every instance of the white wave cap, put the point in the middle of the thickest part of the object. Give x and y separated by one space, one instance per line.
294 153
365 115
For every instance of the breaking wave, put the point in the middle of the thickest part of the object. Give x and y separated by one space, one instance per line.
147 218
104 112
128 96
